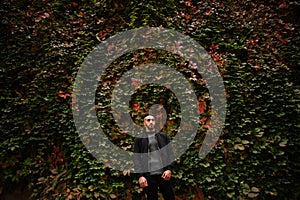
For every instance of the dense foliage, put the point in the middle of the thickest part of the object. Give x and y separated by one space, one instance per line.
255 45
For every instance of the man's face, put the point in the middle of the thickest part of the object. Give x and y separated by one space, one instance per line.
149 123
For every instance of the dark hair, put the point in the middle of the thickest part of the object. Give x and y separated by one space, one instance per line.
148 114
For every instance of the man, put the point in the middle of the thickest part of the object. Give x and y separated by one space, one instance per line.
153 159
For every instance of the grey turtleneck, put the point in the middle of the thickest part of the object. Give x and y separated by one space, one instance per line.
155 163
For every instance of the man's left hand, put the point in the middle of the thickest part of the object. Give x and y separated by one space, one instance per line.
167 175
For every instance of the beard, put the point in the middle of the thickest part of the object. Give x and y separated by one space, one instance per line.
151 127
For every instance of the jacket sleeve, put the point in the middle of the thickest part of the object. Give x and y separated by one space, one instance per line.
137 160
169 157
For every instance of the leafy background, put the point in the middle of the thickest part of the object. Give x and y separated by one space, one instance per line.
255 45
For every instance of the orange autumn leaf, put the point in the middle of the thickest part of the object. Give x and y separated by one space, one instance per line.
201 106
63 95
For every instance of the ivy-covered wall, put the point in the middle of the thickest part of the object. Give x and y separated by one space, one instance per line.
255 45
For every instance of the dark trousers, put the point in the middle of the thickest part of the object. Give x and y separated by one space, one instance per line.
155 182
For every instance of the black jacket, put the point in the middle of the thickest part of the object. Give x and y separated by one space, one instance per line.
141 156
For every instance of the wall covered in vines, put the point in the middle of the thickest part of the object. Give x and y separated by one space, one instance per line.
255 45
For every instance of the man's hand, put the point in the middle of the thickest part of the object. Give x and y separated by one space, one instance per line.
167 175
143 182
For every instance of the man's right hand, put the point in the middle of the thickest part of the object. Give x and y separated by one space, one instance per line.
143 182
